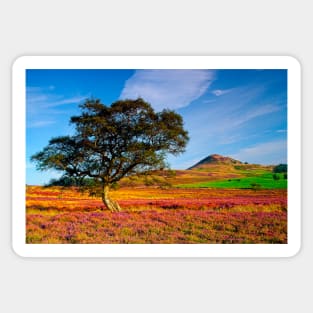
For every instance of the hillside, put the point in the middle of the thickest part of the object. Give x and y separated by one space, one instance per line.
214 159
219 171
218 163
210 169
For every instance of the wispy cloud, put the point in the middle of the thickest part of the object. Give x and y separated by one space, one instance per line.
168 88
46 98
272 152
41 103
253 113
73 100
36 124
220 92
40 89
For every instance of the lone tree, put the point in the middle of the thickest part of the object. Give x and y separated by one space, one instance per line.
111 142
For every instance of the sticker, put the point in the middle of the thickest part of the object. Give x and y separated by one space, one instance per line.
156 156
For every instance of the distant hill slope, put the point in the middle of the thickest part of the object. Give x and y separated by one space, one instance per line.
215 159
212 168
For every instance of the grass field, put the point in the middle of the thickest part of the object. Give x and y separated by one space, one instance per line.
263 180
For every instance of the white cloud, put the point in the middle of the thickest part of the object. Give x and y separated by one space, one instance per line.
273 152
72 100
41 103
44 98
36 124
171 89
236 121
220 92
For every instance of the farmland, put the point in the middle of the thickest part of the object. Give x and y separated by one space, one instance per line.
158 215
264 180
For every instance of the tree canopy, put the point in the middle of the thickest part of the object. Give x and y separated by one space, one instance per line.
280 168
111 142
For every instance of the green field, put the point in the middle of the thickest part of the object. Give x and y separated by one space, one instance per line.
261 181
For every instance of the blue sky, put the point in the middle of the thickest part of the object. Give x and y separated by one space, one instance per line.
237 113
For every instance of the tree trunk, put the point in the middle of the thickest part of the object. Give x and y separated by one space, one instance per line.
113 206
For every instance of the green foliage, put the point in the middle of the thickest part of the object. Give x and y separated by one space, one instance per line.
67 181
115 141
62 182
281 168
64 154
276 176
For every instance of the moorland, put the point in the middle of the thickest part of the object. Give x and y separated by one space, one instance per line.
218 200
